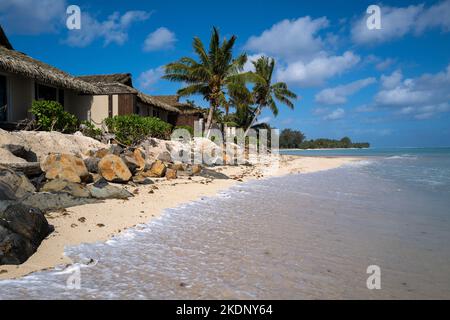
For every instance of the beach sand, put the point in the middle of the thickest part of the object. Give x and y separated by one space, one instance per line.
100 221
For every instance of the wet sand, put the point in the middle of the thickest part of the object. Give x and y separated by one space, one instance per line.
101 221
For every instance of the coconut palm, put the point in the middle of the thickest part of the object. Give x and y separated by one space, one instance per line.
214 74
267 94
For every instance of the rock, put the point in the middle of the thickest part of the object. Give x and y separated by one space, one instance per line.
22 152
7 157
158 169
54 201
115 149
134 160
196 169
92 164
14 249
74 189
102 153
113 169
171 174
65 167
103 190
42 143
30 169
142 179
164 156
22 230
14 186
29 222
178 167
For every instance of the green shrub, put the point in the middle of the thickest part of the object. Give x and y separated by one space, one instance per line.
89 130
188 128
50 116
132 129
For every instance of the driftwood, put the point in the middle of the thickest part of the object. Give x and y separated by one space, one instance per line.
29 169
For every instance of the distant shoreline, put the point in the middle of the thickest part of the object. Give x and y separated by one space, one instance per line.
324 149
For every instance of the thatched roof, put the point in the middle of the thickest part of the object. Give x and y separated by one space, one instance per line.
19 63
174 101
113 88
145 98
4 41
123 78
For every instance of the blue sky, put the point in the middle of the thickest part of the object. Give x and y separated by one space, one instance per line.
390 87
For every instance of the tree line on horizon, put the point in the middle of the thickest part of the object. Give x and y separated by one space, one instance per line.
295 139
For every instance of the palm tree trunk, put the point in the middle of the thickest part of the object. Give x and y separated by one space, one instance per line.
209 121
257 113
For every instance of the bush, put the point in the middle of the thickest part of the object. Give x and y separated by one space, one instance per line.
188 128
50 116
132 129
89 130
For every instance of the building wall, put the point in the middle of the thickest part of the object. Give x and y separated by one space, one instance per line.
187 119
21 95
93 108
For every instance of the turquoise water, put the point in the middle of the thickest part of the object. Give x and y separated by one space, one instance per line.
426 169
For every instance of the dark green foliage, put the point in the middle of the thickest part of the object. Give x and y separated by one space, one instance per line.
344 143
50 116
132 129
291 139
294 139
89 130
188 128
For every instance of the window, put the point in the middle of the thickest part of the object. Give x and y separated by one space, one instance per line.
3 99
156 113
46 93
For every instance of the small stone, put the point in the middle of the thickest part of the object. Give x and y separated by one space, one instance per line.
171 174
82 220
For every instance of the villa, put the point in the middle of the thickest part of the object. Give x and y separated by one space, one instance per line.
93 98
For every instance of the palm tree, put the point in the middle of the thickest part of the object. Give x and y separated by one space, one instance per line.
214 74
265 93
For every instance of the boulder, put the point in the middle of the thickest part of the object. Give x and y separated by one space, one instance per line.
102 153
113 169
65 167
42 143
171 174
14 186
54 201
7 157
74 189
92 164
164 156
196 169
30 169
158 169
22 152
22 230
14 249
103 190
178 166
142 179
134 159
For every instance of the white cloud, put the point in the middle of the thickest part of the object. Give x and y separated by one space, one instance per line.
150 77
291 39
339 94
398 22
421 97
318 70
113 30
32 17
160 39
337 114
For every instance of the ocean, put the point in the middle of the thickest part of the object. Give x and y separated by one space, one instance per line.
307 236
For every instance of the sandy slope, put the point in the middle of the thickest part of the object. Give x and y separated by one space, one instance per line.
99 222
